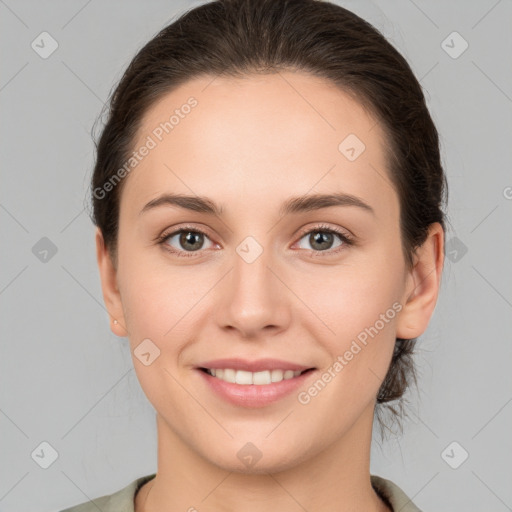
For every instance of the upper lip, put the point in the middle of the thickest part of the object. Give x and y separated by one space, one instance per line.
253 366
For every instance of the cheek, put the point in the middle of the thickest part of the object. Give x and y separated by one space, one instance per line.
162 302
360 306
353 299
157 304
151 294
160 306
361 316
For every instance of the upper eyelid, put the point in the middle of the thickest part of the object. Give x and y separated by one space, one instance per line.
324 227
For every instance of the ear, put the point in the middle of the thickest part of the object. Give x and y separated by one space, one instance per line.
422 285
111 295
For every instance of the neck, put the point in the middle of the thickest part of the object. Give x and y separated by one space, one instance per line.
336 479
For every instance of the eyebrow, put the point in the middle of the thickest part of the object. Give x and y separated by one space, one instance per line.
293 205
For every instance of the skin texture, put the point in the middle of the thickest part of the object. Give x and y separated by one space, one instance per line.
249 145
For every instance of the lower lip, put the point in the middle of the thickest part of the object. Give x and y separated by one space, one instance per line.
254 395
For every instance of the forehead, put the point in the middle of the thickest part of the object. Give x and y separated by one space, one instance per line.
267 136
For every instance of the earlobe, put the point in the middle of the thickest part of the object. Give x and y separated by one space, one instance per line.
111 295
422 285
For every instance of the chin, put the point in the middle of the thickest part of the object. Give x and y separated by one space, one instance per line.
255 458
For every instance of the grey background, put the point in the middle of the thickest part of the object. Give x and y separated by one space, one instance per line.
68 381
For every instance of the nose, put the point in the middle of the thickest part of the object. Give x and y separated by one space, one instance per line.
253 299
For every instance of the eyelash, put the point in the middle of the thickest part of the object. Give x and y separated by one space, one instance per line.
346 239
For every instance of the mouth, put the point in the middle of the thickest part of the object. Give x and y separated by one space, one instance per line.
261 378
253 383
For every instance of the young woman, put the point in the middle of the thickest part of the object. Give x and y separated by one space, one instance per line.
268 196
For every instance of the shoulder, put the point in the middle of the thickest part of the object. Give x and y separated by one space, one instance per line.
120 501
390 492
123 499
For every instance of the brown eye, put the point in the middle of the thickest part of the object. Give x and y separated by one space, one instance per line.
190 240
323 239
184 241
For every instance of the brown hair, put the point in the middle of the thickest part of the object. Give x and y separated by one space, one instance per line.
243 37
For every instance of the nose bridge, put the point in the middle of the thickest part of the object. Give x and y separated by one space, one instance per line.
251 278
253 299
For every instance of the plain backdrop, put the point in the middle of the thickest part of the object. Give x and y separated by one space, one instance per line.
68 382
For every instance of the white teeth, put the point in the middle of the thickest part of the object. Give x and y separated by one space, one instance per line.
243 377
259 378
228 375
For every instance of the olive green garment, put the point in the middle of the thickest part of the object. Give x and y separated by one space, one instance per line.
123 500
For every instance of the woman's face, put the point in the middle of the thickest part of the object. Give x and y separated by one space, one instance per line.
267 280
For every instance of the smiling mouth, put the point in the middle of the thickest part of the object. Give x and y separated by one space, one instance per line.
246 378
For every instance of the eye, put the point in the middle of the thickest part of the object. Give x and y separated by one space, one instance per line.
322 238
189 241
